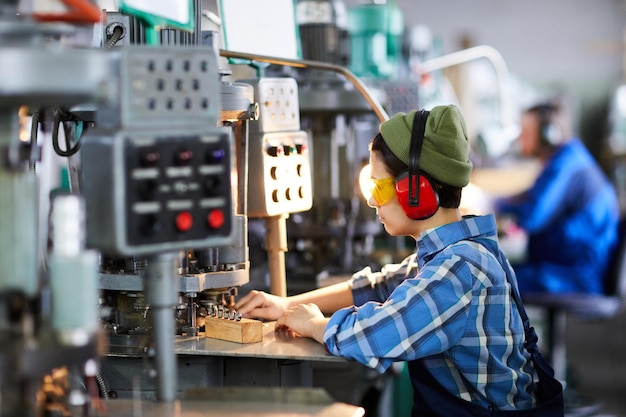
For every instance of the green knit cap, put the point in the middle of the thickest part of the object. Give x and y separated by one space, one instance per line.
445 151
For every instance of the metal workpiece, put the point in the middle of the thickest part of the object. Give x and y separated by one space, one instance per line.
220 303
221 311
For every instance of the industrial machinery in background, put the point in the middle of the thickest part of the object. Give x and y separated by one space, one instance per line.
336 236
340 234
402 67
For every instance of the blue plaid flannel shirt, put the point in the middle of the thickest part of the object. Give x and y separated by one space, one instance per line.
449 305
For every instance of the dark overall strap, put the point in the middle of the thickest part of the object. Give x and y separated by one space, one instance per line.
550 390
431 399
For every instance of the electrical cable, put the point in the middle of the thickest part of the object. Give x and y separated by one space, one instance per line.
118 33
104 393
72 129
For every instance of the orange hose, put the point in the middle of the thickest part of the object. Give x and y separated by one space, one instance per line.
80 11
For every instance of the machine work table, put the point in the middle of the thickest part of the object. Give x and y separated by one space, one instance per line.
274 346
279 360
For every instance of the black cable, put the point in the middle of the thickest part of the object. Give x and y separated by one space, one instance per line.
104 393
64 117
118 33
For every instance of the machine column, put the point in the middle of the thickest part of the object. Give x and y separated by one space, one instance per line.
162 296
276 241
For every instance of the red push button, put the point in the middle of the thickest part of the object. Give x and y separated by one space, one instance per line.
216 219
184 221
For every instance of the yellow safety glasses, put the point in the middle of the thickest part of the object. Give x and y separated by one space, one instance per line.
383 190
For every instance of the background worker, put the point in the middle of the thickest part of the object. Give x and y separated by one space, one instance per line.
569 214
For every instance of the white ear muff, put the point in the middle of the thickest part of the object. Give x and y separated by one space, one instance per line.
552 134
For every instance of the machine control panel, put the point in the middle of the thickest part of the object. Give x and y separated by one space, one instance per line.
279 161
280 179
178 86
158 192
278 104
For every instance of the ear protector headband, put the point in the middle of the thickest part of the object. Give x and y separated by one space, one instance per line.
415 191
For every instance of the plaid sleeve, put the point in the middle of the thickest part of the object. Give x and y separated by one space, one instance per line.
378 286
424 315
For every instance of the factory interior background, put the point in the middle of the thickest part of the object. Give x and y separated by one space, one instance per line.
512 53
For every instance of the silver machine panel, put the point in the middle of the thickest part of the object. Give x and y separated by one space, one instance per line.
280 173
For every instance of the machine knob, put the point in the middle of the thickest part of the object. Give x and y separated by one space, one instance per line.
147 190
212 185
288 149
183 157
150 225
274 150
150 158
215 155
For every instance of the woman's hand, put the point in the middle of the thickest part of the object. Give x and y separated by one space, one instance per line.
304 319
259 304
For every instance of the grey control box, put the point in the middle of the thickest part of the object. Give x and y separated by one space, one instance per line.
149 193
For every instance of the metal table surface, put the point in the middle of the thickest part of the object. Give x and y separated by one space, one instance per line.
279 360
274 346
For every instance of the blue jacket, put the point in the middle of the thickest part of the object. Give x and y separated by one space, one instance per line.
570 214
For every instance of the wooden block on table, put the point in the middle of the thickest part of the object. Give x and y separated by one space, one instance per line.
243 331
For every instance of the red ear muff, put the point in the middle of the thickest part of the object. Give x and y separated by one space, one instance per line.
428 197
416 194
